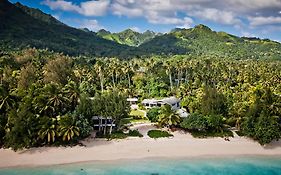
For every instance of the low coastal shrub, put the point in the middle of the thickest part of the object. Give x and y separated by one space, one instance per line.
119 134
113 135
134 133
153 113
212 133
240 133
125 121
158 134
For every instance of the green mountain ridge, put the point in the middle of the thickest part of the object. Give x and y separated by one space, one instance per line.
201 40
21 27
38 14
128 37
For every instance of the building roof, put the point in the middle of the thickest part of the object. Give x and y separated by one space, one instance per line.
132 99
150 101
182 113
168 100
100 117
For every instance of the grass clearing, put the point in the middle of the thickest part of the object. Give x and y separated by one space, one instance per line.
137 113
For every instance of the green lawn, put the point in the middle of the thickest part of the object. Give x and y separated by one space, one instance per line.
136 116
137 113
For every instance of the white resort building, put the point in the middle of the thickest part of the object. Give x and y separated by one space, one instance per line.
172 101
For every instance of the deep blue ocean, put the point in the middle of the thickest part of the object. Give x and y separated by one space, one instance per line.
192 166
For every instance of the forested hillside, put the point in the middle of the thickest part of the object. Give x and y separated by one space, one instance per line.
22 27
201 40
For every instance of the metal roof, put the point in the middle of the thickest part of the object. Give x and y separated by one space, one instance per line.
168 100
132 99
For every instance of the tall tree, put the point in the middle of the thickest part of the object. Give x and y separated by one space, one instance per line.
168 117
58 70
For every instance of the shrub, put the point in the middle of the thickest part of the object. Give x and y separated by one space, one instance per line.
240 133
125 121
231 121
158 134
215 122
137 117
195 122
141 107
212 133
134 133
152 114
113 135
117 135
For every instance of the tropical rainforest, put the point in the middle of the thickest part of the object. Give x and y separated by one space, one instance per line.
54 79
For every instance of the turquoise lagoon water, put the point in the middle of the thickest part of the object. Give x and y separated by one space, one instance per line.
205 166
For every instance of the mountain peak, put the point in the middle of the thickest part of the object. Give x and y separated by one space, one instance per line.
203 27
103 32
128 31
38 14
177 30
149 32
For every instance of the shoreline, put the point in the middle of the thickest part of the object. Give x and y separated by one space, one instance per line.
122 160
181 146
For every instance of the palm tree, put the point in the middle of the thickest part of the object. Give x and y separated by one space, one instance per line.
7 101
126 69
50 101
56 99
99 68
48 131
73 94
169 68
67 128
168 117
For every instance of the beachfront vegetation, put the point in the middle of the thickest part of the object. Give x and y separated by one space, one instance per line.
205 126
168 117
134 133
153 114
119 134
158 134
199 134
39 88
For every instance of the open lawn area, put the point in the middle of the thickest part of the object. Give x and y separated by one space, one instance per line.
137 113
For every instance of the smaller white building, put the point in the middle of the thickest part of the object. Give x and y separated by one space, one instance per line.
101 122
133 102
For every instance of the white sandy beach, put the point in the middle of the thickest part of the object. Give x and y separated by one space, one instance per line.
180 146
